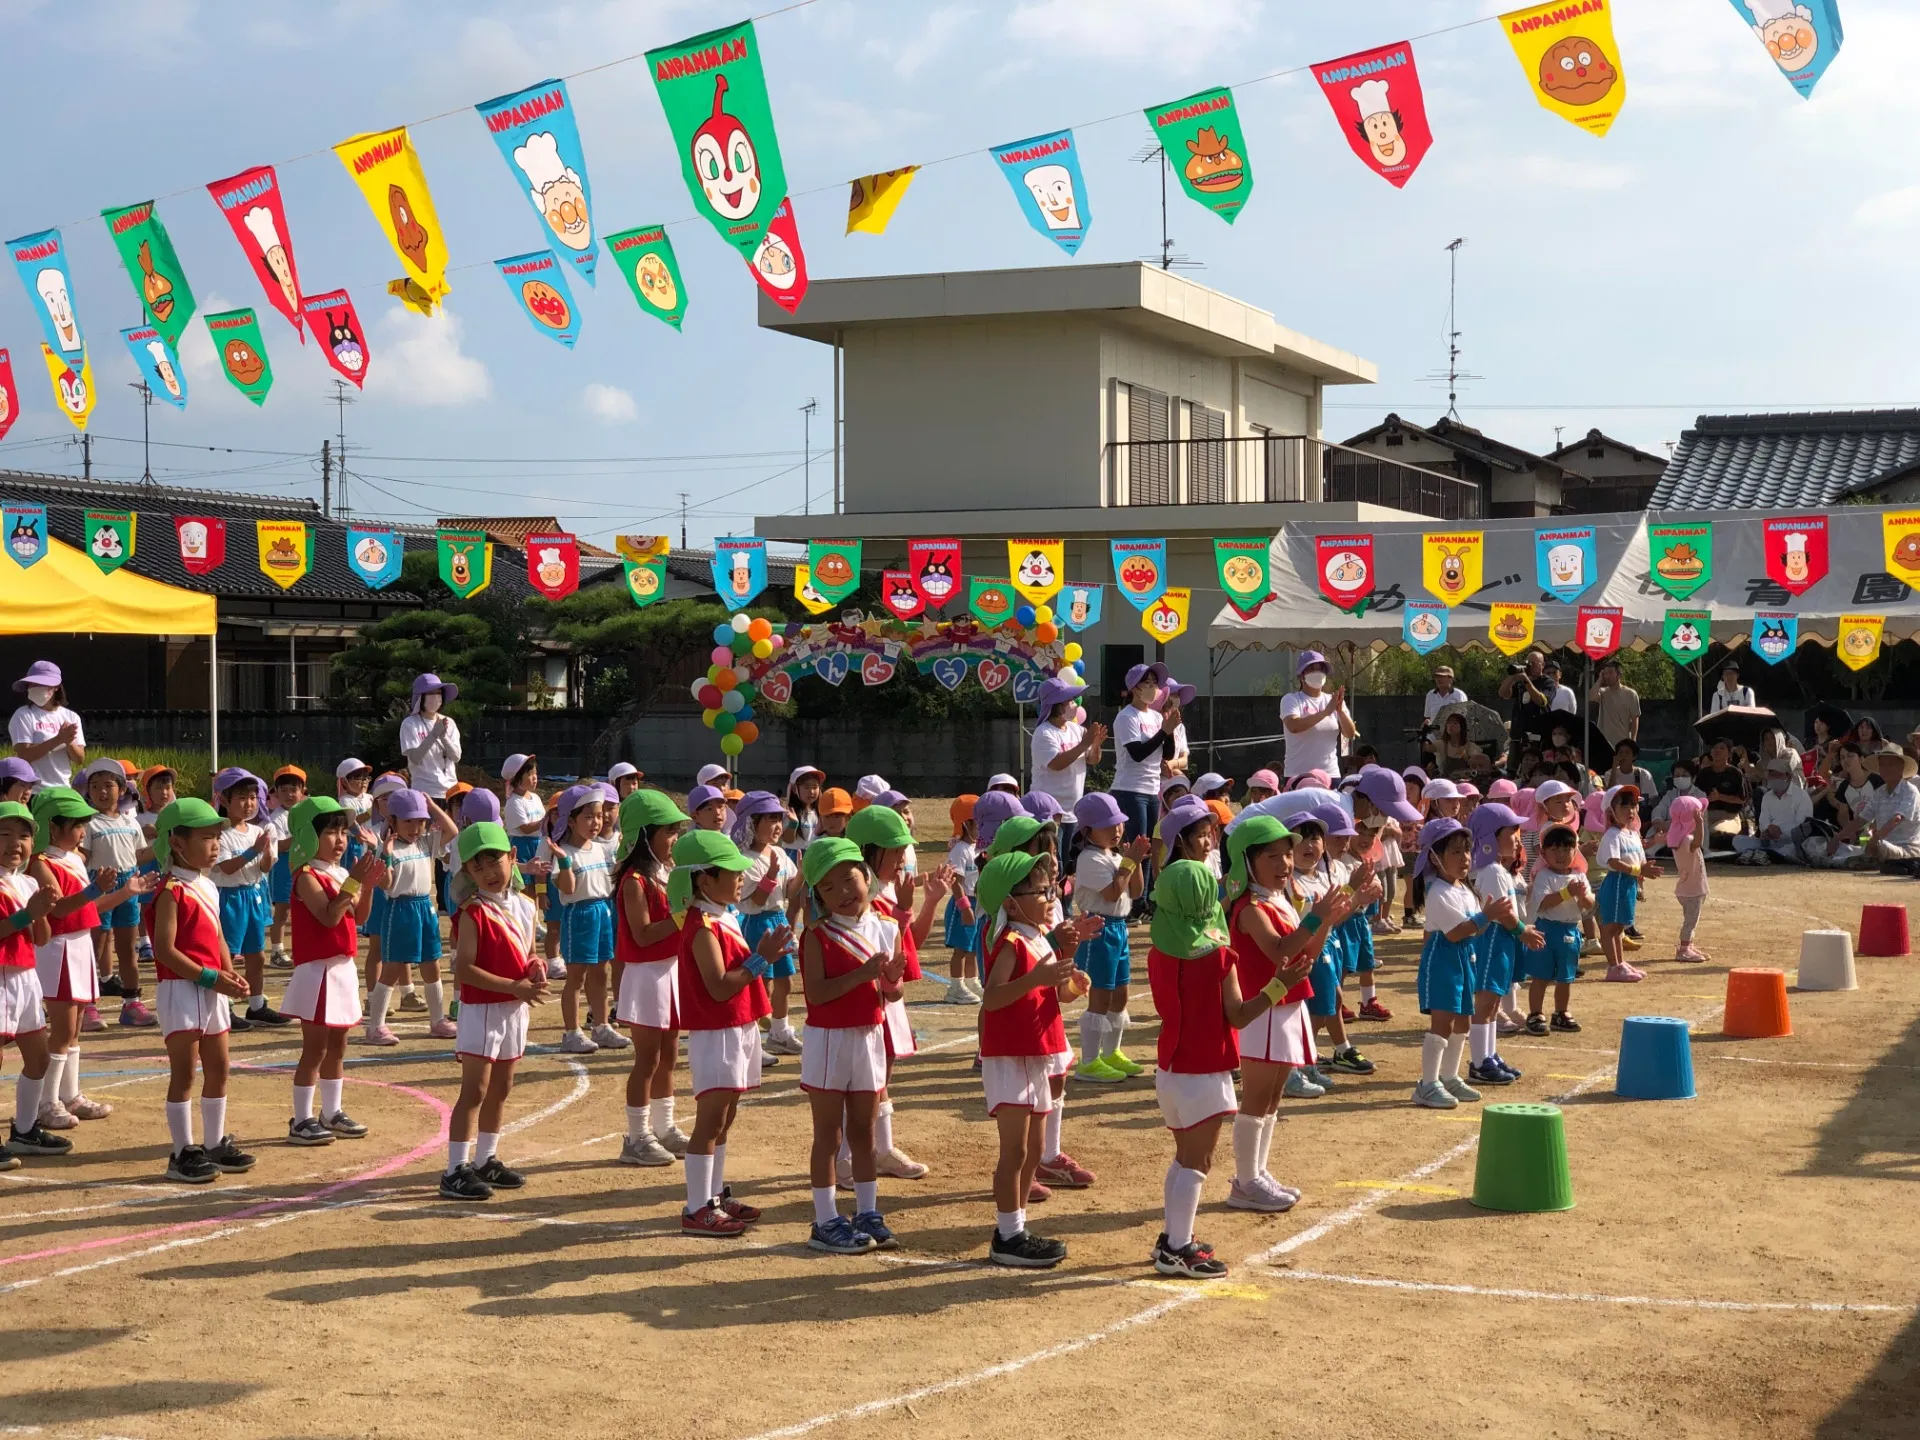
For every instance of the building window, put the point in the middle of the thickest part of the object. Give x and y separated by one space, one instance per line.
1206 457
1149 455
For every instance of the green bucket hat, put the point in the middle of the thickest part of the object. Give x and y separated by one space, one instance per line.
639 813
998 879
188 814
56 802
699 850
14 810
482 837
825 853
880 827
1013 833
1187 919
1249 834
303 839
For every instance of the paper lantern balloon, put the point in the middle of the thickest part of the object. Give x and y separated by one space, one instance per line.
746 732
760 629
731 744
1073 651
740 622
731 702
1043 614
723 634
1045 633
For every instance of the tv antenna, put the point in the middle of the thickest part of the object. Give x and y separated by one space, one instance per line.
1454 373
341 400
146 430
1166 259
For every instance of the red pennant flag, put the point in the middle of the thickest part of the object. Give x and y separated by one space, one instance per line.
934 568
778 264
251 201
1796 550
899 595
1344 564
1376 98
553 565
336 325
1598 630
9 396
203 542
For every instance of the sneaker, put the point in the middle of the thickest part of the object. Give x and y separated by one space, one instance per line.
1590 946
191 1167
1488 1074
959 994
1537 1023
110 987
143 951
674 1141
135 1015
1317 1073
238 1023
838 1237
37 1141
1038 1194
311 1131
1116 1060
1350 1062
1097 1072
648 1151
1627 942
228 1157
461 1183
1374 1010
785 1044
55 1116
575 1042
1262 1195
280 960
1623 974
1063 1172
1458 1088
90 1021
1565 1023
267 1015
843 1172
412 1002
1511 1070
979 993
82 1108
1292 1192
1633 933
739 1209
608 1038
1432 1095
1690 953
869 1223
496 1172
378 1035
710 1220
444 1030
896 1164
1025 1251
1189 1262
1510 1025
1299 1087
8 1160
556 969
345 1126
1348 1013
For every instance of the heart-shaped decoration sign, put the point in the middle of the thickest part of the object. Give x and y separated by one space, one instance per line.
876 670
950 671
777 687
1026 687
993 674
832 668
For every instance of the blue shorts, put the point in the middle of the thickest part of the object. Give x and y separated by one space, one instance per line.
148 867
245 913
409 931
1356 941
125 916
553 892
1325 979
755 927
525 847
1496 961
280 881
1560 957
586 932
1105 957
962 935
376 915
1446 975
1619 897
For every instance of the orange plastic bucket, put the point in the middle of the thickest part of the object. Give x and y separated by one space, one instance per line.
1757 1005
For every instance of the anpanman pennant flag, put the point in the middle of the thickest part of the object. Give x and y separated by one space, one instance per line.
1859 642
1038 568
872 199
1597 630
1900 530
1566 48
110 536
386 167
203 542
285 553
803 591
1510 626
1166 618
553 564
646 579
466 561
1450 564
898 594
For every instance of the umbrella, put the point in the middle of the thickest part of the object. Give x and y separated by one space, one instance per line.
1838 721
1737 725
1484 727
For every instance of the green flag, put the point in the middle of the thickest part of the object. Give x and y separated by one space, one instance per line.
991 601
1680 557
236 340
835 568
645 257
466 561
1242 567
715 96
109 535
1686 633
646 580
1206 148
158 280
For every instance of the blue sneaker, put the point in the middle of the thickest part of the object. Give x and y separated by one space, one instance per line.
838 1237
869 1224
1510 1069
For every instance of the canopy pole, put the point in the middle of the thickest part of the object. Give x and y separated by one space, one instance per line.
1213 657
213 701
1022 743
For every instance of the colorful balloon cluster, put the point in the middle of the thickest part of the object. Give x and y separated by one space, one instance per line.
726 693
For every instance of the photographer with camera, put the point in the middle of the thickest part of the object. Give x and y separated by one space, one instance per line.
1530 691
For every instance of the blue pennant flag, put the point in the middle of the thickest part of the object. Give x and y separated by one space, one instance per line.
1140 570
739 571
159 366
536 133
539 283
1567 562
1776 635
41 259
26 528
1423 625
1079 606
1801 36
1045 174
375 555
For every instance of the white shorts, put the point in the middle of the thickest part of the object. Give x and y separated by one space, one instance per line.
1282 1035
1190 1100
65 967
21 1011
852 1060
185 1008
497 1031
650 995
1022 1081
325 992
897 1028
724 1059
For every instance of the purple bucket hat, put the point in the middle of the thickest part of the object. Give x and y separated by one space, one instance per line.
407 805
752 805
991 811
1157 672
571 799
424 684
1057 692
1486 823
41 672
1388 794
233 777
1309 659
704 795
1180 816
1185 694
890 799
476 806
1333 819
1098 810
1433 833
13 768
1042 807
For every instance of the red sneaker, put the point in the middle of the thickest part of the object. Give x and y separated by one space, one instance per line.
711 1220
1374 1010
1037 1192
1063 1172
746 1214
1347 1012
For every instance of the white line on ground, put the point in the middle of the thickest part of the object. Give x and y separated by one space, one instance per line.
1819 1307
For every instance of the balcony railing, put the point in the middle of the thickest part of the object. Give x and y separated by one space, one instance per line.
1255 469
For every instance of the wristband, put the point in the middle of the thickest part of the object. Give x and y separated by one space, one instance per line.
350 888
1273 990
1128 864
92 892
1311 924
209 977
1516 930
19 920
562 864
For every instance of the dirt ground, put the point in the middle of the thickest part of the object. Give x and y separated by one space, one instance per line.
1745 1264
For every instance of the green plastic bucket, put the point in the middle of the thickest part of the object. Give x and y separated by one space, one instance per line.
1523 1160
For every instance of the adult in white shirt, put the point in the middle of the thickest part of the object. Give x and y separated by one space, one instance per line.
430 739
1560 698
1895 811
1062 748
46 734
1444 692
1315 721
1786 813
1729 691
1139 748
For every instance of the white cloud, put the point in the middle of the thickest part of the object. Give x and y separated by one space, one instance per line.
1168 32
1889 210
1542 172
909 56
419 361
609 404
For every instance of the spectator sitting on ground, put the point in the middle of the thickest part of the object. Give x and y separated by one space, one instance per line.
1895 811
1785 819
1627 770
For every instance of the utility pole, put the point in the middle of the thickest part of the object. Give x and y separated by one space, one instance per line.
683 519
341 400
1453 333
146 430
326 478
806 456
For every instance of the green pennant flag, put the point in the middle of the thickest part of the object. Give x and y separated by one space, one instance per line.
236 340
835 568
1680 557
715 97
1242 567
1686 634
646 580
1206 148
645 257
991 601
466 561
109 535
147 252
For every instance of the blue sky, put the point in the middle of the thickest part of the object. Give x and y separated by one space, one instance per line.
1728 245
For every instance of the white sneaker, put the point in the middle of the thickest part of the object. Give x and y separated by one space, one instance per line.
1299 1087
896 1164
1431 1095
1458 1088
575 1042
1260 1196
55 1116
959 994
1283 1189
979 994
556 969
843 1171
608 1038
787 1044
649 1152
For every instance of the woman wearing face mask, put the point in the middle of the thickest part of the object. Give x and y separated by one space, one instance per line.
45 733
1316 720
1141 745
430 739
1785 820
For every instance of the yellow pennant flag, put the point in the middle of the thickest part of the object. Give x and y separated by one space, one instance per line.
1566 47
1166 618
72 389
1450 564
284 553
1037 568
642 547
872 199
1901 530
386 167
803 591
1859 642
1510 626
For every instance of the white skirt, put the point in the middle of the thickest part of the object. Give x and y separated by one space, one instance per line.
852 1060
1190 1100
496 1031
65 967
897 1028
724 1059
184 1007
21 1010
1283 1035
1022 1081
325 992
650 994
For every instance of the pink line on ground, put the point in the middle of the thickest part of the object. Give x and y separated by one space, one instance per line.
378 1172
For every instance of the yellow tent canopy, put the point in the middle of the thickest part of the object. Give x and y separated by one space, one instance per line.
64 593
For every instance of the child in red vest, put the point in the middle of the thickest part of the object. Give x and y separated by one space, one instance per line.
24 906
646 941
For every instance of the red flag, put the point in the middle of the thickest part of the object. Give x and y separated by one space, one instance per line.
1376 98
1796 550
9 397
1597 633
251 201
203 542
778 264
1344 564
934 567
553 565
336 325
899 595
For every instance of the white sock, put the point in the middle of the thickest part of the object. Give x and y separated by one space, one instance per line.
1367 992
719 1181
70 1074
26 1102
436 1001
846 1149
1116 1030
50 1082
1432 1051
782 1027
866 1196
213 1118
824 1208
660 1110
882 1130
639 1128
1265 1148
1456 1050
1246 1147
377 1002
258 1002
180 1124
1182 1195
302 1102
330 1097
458 1152
1010 1222
485 1146
406 986
1050 1131
1512 1003
1093 1030
699 1181
1480 1041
